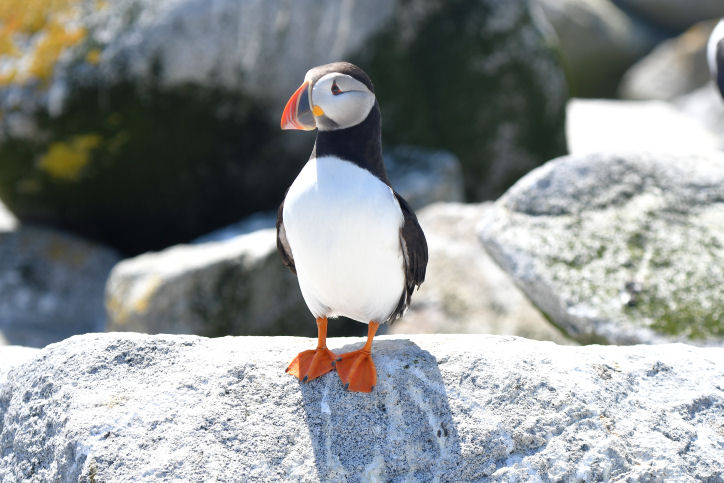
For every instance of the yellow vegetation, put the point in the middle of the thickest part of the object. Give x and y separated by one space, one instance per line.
66 160
46 25
94 56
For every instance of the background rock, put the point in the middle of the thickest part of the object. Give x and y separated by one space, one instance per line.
232 281
237 286
118 407
424 176
150 123
674 15
704 106
465 291
598 42
615 126
675 67
51 285
7 221
477 78
619 248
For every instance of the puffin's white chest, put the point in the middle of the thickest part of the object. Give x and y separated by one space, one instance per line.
343 226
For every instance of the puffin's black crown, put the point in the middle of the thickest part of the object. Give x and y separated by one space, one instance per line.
343 68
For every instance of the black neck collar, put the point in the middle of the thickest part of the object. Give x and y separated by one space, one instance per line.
360 144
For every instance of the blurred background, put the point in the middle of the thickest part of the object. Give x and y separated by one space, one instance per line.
141 160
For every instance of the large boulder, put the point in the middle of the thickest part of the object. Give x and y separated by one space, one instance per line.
674 15
146 123
51 285
236 286
598 42
477 78
619 248
130 407
602 125
232 281
465 291
675 67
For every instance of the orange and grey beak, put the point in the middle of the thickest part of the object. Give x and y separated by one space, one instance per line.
298 111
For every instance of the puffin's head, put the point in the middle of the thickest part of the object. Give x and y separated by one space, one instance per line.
333 96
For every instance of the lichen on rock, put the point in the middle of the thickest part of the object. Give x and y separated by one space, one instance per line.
623 248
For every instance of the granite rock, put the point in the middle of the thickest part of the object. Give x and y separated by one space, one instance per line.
424 176
465 291
51 285
619 248
674 15
131 407
675 67
706 107
146 123
236 286
598 42
478 78
231 281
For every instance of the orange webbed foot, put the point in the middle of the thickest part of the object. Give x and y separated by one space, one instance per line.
311 364
357 371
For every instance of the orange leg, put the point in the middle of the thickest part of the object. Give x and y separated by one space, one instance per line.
311 364
357 369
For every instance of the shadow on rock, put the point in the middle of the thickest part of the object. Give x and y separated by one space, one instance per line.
403 427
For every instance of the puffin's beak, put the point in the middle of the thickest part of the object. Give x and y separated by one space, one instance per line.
298 113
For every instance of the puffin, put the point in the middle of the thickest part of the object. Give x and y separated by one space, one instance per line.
353 242
715 56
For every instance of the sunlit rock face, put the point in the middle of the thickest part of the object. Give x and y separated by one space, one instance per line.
619 247
129 407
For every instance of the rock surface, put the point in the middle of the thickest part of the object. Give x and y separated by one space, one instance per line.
598 42
51 285
705 106
465 291
129 407
423 176
595 126
235 284
232 281
674 15
619 248
146 123
476 78
8 222
675 67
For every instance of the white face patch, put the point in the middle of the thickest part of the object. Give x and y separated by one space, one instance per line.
343 99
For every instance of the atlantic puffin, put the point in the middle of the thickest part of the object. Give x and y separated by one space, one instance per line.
715 56
353 242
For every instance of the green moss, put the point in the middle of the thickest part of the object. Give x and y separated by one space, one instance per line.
680 316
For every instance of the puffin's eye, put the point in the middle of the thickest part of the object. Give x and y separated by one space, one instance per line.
335 89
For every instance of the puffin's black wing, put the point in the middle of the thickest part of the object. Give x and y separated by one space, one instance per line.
282 244
414 251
